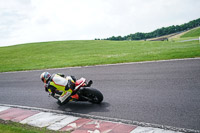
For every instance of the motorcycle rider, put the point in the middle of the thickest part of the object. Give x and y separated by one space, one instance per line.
58 86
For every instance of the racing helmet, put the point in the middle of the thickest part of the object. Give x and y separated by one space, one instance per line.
45 76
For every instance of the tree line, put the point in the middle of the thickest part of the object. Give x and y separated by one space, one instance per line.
159 32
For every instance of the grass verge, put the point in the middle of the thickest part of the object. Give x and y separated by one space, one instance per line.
193 33
13 127
83 53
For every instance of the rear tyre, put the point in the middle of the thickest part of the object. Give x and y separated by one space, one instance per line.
93 95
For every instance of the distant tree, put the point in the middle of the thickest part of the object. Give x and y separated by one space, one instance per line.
158 32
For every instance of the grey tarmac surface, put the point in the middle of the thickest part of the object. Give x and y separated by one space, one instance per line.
165 93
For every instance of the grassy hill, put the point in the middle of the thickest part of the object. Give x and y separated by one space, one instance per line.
193 33
82 53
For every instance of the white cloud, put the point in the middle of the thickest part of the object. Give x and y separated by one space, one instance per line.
24 21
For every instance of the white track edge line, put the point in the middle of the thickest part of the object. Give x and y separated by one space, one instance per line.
142 124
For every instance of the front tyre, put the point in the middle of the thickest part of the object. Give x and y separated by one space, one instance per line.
93 95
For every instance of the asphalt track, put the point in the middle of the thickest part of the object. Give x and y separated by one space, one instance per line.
164 92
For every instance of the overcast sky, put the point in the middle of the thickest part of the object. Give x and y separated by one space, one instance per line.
25 21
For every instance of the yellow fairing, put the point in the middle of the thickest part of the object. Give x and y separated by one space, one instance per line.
64 92
60 88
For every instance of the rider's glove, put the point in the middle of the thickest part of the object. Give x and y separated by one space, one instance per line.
46 87
70 85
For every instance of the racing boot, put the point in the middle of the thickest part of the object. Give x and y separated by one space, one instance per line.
74 97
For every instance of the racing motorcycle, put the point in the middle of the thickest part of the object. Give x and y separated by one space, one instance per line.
83 92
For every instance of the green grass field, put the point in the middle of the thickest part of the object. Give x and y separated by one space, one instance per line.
83 53
193 33
13 127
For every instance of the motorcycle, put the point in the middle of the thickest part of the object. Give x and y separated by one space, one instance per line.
83 92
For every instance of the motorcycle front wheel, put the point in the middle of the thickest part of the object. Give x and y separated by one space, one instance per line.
93 95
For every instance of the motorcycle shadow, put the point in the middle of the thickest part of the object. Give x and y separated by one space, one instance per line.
85 107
